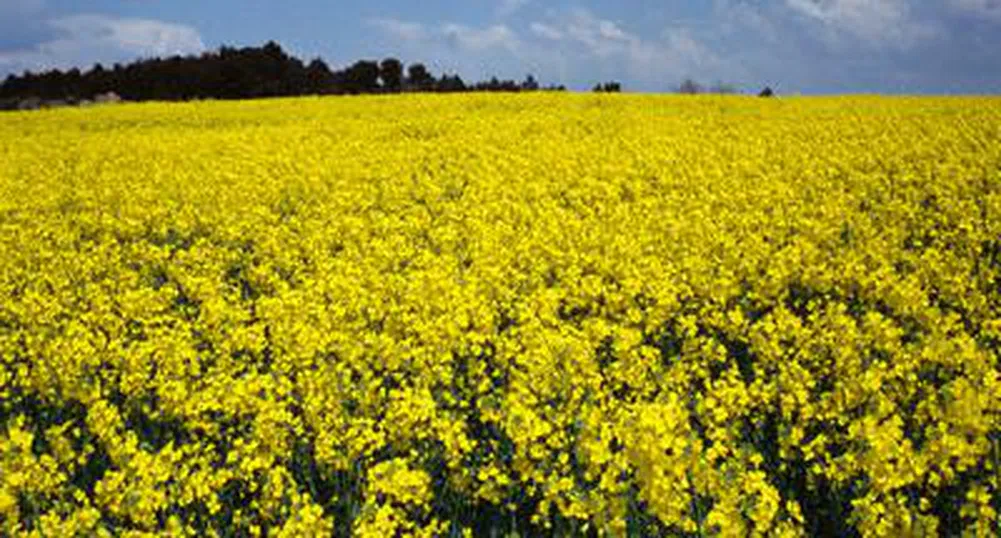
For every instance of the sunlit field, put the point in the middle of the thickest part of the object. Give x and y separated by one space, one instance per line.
500 315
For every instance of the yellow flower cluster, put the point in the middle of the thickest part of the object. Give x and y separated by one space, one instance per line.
494 315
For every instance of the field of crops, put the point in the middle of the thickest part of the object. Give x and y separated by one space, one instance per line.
489 315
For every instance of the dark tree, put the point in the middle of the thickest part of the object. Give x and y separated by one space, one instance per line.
236 73
451 83
608 87
690 87
767 92
274 51
319 79
497 85
362 77
391 75
418 78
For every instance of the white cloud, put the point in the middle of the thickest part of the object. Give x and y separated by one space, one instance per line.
870 45
139 36
475 39
876 22
546 31
685 49
985 9
675 54
731 16
404 30
592 32
610 30
455 36
83 39
567 42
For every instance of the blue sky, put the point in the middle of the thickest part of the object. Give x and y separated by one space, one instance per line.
797 46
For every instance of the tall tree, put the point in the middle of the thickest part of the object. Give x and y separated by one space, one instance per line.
391 75
362 77
418 77
319 79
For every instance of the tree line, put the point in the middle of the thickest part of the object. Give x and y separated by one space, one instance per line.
243 73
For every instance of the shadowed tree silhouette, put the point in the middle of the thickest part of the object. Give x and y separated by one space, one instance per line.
418 78
689 87
450 83
362 77
235 73
608 87
319 78
391 75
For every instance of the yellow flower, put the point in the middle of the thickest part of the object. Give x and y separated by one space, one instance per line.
406 313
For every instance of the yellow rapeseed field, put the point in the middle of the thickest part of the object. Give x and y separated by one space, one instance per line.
487 315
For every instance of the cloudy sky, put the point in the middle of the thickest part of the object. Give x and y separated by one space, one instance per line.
807 46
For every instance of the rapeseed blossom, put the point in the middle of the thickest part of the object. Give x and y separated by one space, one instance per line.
470 314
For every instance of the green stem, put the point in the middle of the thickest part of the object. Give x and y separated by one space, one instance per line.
997 482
